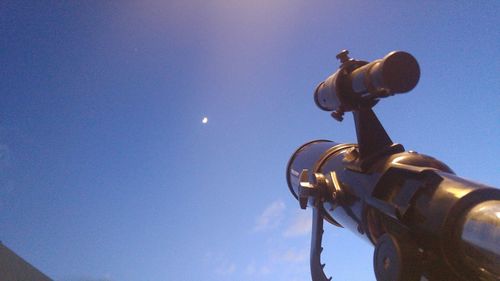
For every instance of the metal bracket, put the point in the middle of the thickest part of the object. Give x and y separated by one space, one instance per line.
312 190
317 268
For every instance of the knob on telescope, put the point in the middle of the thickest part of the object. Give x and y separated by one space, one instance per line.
360 84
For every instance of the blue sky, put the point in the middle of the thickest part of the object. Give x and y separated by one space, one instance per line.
107 172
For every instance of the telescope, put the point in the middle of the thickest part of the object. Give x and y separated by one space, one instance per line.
424 221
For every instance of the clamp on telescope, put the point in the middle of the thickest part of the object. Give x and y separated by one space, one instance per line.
312 190
358 86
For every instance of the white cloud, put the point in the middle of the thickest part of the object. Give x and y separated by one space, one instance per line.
301 225
225 269
271 216
264 270
219 264
291 256
253 269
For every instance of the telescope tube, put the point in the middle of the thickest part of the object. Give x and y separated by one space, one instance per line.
480 238
452 223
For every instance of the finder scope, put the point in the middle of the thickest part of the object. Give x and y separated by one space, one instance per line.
359 83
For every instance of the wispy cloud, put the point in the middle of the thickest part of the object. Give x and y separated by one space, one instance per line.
225 269
301 225
271 217
264 270
253 269
289 263
291 256
219 264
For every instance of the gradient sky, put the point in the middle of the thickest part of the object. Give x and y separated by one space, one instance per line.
108 173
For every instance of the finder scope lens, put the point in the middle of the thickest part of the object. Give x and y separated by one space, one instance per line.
398 72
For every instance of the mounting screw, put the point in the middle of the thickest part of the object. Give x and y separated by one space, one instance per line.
351 155
306 188
338 115
319 180
343 56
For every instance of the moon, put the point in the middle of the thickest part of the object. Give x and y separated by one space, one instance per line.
204 120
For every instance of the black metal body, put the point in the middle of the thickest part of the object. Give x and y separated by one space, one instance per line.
411 196
423 220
